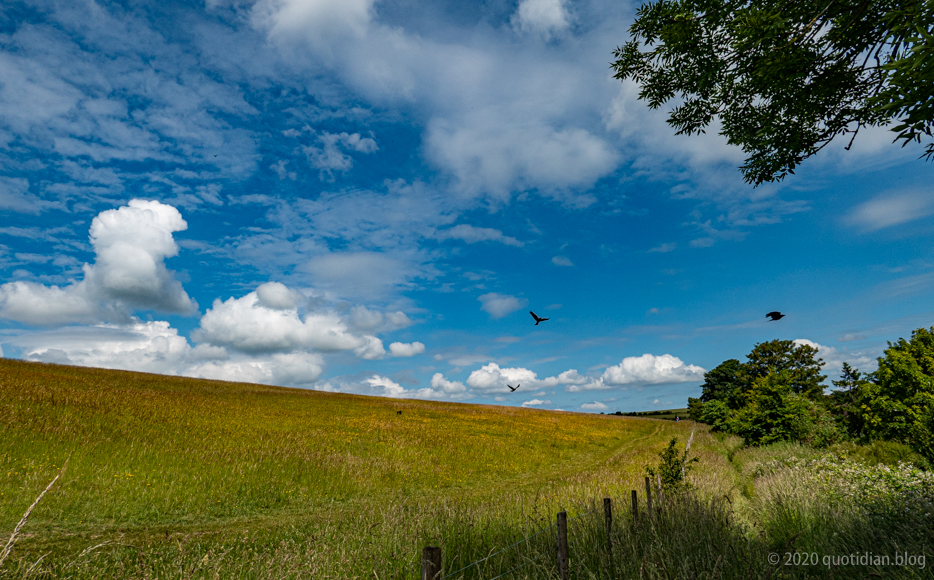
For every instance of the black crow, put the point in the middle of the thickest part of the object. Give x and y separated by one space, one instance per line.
514 387
398 412
537 319
774 315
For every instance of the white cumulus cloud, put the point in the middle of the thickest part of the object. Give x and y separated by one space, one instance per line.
382 386
545 17
156 347
321 23
131 244
265 321
492 379
365 319
290 369
535 403
834 358
329 155
562 261
453 389
403 349
647 369
568 377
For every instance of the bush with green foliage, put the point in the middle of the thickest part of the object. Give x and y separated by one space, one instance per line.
777 395
673 467
896 402
891 453
774 396
775 412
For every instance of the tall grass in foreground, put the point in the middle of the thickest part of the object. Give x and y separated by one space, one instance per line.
688 538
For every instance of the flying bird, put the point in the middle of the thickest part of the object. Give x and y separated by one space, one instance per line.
774 315
514 387
537 319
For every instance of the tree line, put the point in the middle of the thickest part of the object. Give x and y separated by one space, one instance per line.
777 394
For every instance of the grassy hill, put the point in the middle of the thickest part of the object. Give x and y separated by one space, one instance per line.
171 477
161 461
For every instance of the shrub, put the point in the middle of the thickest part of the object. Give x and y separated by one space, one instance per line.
776 413
673 467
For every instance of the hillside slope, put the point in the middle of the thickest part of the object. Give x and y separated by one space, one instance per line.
152 458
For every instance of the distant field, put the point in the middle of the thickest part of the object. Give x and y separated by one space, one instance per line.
168 473
667 414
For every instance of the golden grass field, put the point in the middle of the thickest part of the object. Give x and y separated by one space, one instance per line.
179 477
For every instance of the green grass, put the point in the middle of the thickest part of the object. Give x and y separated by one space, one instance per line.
179 478
159 462
668 414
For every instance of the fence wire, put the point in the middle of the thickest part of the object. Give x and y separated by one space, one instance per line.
525 539
526 563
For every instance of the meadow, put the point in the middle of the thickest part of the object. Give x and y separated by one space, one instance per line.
170 477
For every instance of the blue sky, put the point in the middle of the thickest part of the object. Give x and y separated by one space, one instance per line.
369 196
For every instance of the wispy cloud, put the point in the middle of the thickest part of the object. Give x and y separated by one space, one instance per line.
499 305
561 261
890 209
664 248
472 235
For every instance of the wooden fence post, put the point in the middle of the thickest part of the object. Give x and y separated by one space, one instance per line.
635 507
431 563
661 490
648 497
608 517
563 545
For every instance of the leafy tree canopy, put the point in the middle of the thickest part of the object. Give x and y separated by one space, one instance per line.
786 76
898 403
803 369
776 413
730 382
722 381
907 367
846 401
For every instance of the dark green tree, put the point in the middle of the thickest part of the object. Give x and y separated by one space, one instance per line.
898 403
695 409
728 387
845 401
775 412
799 361
785 77
717 414
722 382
